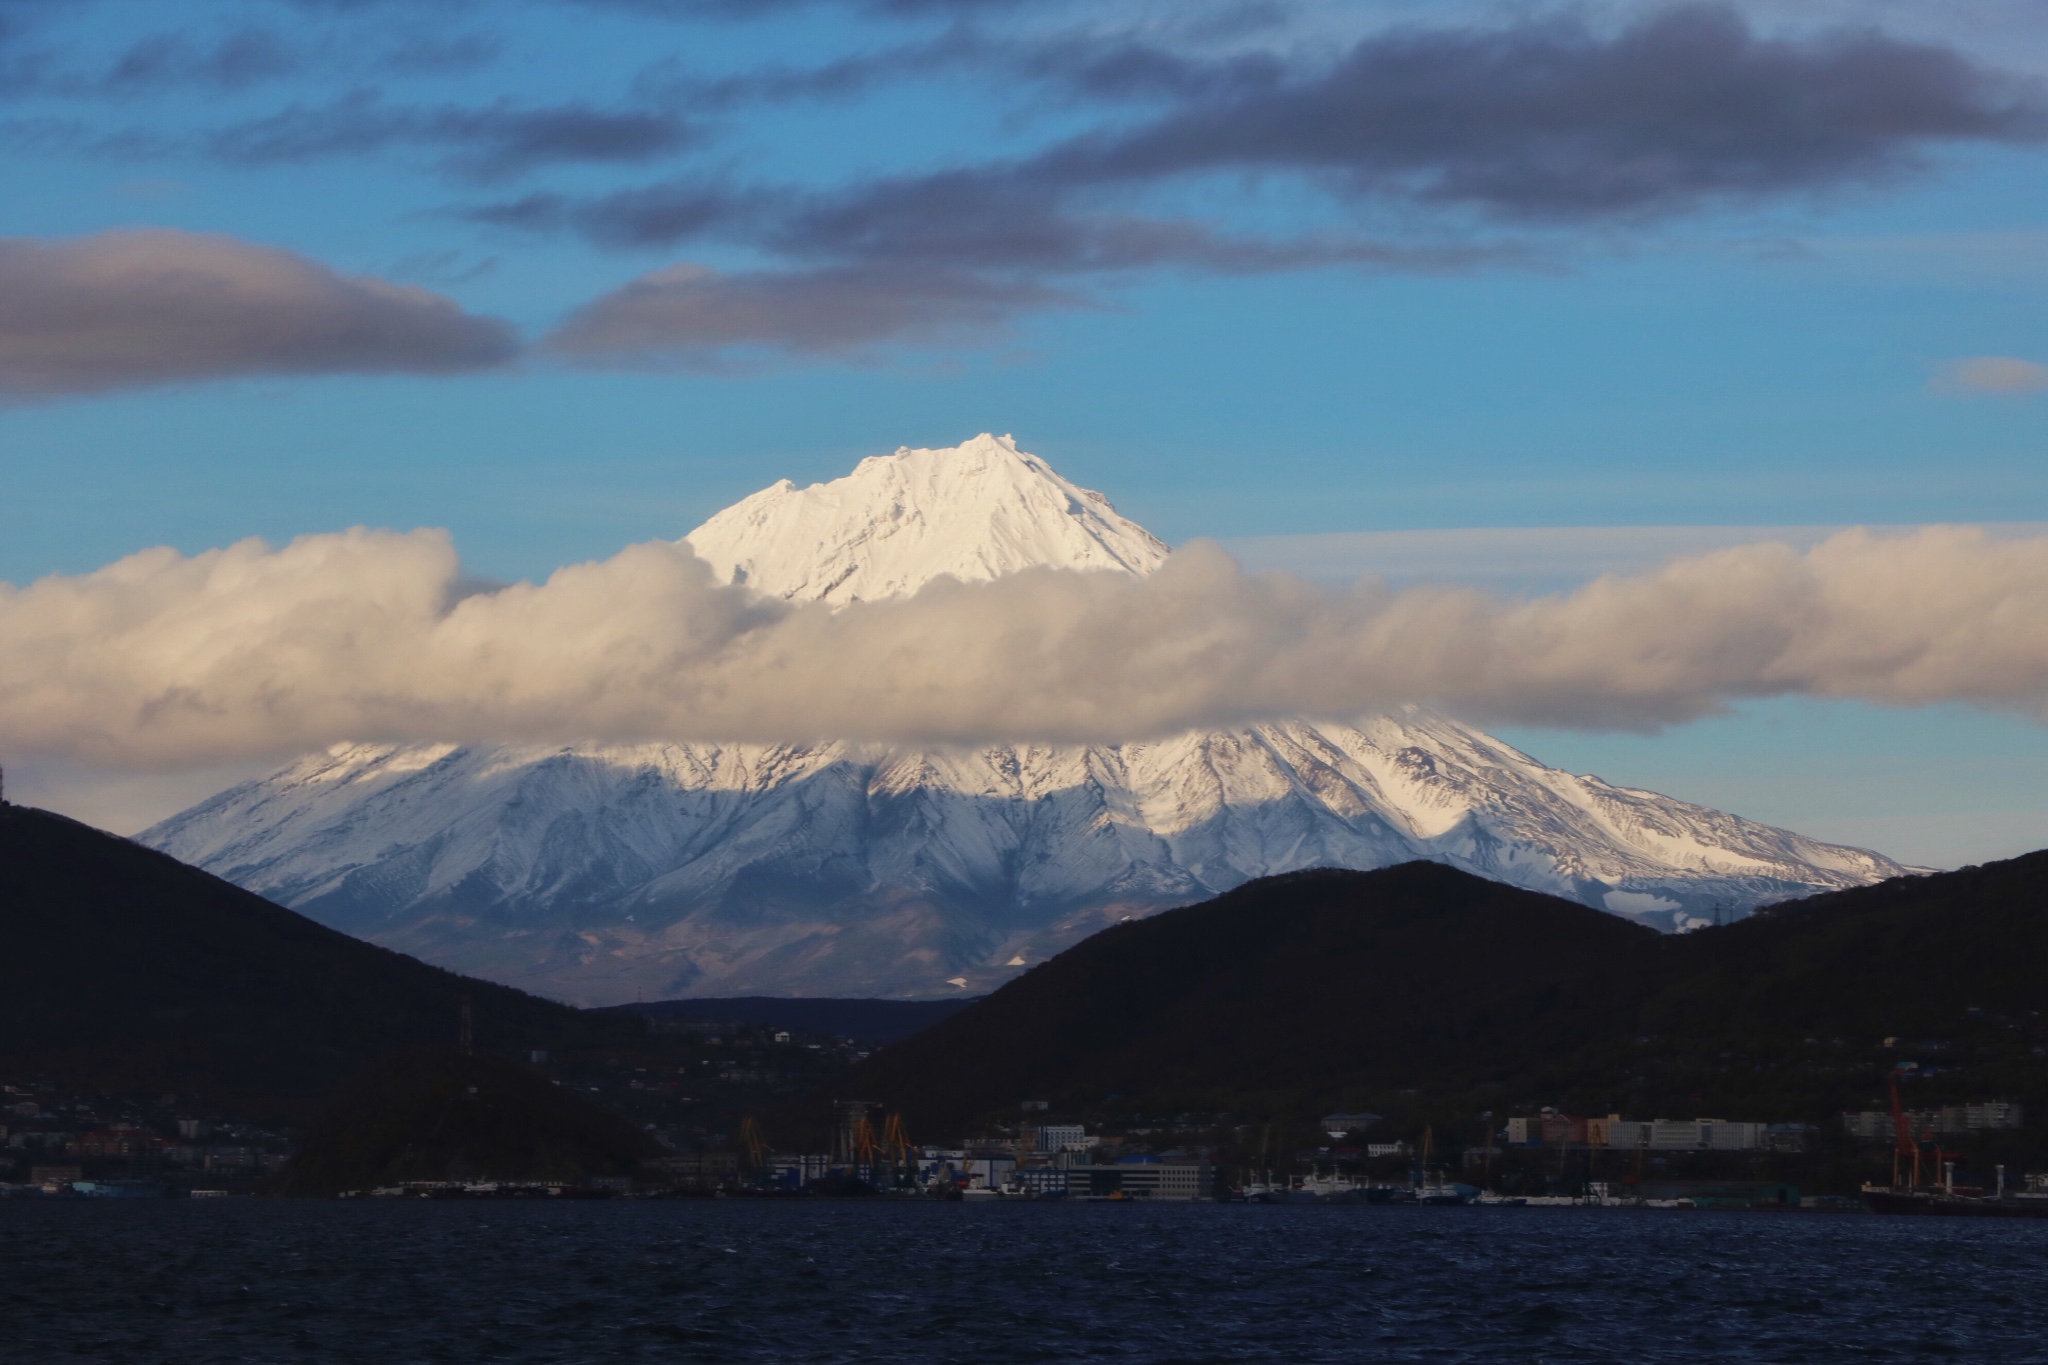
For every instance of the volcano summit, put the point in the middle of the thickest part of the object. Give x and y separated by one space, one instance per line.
597 873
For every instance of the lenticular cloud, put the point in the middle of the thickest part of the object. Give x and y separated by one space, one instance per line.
163 660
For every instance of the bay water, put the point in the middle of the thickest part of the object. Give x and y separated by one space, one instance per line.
832 1281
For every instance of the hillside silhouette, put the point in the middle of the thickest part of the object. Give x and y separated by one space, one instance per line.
1416 985
437 1113
123 969
1322 988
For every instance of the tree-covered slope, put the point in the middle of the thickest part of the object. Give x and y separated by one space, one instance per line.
436 1113
1316 980
1327 988
122 969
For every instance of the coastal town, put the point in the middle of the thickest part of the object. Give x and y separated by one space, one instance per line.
127 1146
101 1146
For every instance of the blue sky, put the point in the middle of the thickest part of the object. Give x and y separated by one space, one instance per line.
1413 333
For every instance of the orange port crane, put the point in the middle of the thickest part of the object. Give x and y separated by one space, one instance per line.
753 1147
896 1148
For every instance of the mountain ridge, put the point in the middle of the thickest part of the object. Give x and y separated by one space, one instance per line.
600 873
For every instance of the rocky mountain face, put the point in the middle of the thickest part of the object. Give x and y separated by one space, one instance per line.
602 873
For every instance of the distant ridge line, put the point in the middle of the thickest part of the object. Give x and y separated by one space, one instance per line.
868 1021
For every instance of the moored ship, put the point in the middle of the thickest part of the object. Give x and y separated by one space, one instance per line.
1957 1204
1945 1198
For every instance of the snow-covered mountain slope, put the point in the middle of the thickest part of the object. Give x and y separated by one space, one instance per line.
599 873
975 511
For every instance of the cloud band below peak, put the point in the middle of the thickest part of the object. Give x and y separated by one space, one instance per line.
165 660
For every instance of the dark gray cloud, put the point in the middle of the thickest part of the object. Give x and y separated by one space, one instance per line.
24 66
128 309
1002 224
1541 120
656 215
231 60
1122 67
748 9
1110 66
435 53
235 61
1551 120
695 316
963 222
485 142
957 46
694 10
1536 122
967 287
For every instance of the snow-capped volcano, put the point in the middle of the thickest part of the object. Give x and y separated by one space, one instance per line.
976 512
596 873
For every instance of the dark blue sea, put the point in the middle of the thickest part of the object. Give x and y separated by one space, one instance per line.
207 1281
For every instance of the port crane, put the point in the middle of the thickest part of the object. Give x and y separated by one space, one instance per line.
1903 1144
896 1149
753 1147
866 1144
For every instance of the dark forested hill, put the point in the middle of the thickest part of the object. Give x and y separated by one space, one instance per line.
1906 957
437 1113
1315 980
1326 988
123 969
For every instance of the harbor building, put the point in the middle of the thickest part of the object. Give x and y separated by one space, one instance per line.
1145 1178
1876 1125
1045 1182
1044 1139
1338 1125
1655 1135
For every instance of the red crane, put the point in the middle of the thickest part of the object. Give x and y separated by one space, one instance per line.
1902 1140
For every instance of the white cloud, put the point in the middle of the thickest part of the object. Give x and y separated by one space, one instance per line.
163 660
1524 559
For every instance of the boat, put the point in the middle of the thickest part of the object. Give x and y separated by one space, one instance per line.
118 1189
1944 1198
1333 1188
1429 1183
1438 1191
